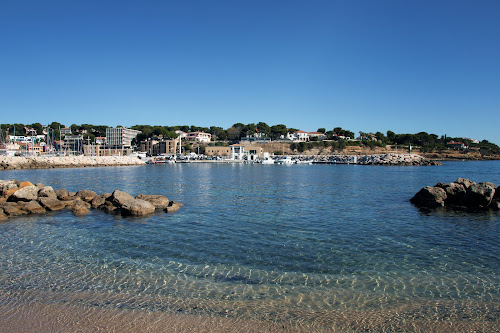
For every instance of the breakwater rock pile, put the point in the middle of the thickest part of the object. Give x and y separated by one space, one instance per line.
377 159
461 194
20 198
43 162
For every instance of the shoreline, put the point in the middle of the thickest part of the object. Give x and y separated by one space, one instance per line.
388 159
41 162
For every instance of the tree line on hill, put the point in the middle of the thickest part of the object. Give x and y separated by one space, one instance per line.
337 137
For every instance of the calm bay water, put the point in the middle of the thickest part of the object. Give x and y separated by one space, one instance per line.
307 244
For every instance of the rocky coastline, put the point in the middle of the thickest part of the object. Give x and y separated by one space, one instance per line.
375 159
22 198
462 194
43 162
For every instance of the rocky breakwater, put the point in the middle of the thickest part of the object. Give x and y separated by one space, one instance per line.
21 198
377 159
43 162
462 194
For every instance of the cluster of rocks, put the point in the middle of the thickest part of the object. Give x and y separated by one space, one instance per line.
19 198
461 194
377 159
44 162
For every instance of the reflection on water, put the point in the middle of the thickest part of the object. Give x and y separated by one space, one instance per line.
316 246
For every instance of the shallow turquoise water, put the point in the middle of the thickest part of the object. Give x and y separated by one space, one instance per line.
264 241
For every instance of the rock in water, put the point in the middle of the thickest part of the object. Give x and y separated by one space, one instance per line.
33 207
51 204
100 200
455 193
137 207
26 193
430 197
47 192
79 208
86 195
173 206
61 193
159 201
118 198
480 195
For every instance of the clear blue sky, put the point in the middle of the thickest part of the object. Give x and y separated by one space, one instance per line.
374 65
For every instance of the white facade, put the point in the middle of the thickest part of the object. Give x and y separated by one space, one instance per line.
120 137
200 137
237 152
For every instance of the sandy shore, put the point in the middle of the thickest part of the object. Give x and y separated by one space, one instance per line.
41 162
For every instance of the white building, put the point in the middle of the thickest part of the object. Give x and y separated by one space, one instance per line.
120 137
299 136
200 137
237 152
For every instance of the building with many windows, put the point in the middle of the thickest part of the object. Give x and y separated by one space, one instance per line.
120 137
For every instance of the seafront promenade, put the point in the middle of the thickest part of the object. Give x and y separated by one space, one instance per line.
18 162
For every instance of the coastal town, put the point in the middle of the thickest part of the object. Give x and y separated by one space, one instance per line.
256 143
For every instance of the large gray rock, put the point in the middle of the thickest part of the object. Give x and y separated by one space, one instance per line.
173 206
61 193
100 200
33 207
159 201
430 197
86 195
80 208
47 192
465 182
118 198
109 208
13 210
51 204
480 195
137 207
455 193
27 193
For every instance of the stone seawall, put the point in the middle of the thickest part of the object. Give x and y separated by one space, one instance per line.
39 162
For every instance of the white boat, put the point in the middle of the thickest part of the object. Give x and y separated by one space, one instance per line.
287 160
267 160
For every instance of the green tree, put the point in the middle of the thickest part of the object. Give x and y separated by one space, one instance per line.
321 130
278 130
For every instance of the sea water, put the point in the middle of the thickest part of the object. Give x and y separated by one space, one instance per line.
302 244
